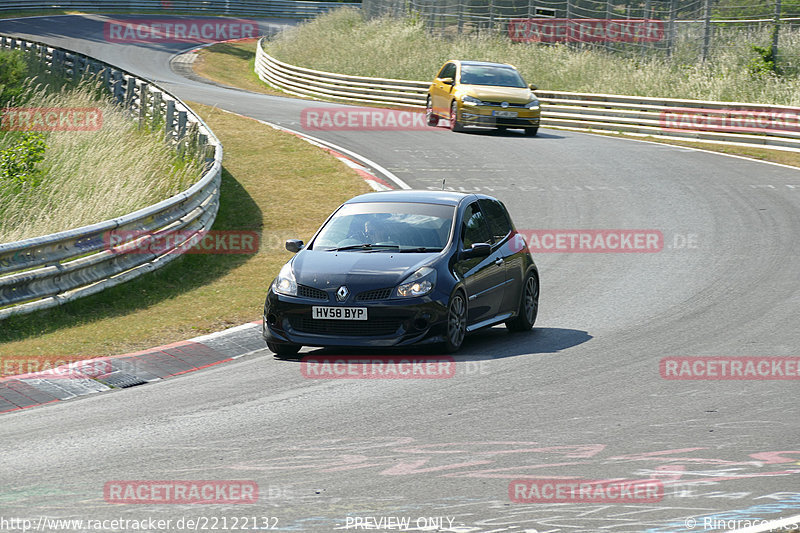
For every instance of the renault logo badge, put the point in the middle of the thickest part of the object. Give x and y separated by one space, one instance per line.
342 293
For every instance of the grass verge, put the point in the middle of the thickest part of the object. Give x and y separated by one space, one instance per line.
232 64
96 172
267 176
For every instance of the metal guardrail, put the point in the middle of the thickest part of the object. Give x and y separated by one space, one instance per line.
720 122
47 271
295 9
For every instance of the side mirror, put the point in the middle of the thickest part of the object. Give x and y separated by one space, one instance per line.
447 81
294 245
533 86
479 249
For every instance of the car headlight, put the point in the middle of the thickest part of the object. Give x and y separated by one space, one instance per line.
285 282
533 104
471 100
419 283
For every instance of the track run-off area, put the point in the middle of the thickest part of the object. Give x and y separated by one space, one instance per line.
581 397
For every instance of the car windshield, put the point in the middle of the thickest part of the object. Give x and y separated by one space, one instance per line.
387 226
491 75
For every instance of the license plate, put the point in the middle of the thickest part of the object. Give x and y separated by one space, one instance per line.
505 114
338 313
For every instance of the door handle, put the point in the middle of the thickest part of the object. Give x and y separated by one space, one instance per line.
498 261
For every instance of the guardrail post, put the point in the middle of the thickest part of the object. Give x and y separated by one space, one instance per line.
156 120
130 91
181 124
107 80
169 119
143 99
118 90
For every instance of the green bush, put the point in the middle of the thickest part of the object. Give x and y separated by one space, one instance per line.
18 170
13 71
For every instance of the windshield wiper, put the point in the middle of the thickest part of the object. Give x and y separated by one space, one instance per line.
364 246
421 249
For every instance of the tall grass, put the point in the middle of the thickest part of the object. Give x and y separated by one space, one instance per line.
342 41
90 176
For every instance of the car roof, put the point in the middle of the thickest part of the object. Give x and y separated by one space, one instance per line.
412 196
484 63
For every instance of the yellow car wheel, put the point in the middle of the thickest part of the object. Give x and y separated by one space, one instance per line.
455 125
432 119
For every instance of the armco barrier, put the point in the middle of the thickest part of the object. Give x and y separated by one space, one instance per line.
720 122
294 9
46 271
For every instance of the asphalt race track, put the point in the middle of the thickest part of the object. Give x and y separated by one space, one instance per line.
580 397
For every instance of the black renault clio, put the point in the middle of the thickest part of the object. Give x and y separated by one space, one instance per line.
397 268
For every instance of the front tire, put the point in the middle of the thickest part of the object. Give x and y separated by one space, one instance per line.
283 351
455 125
430 117
528 305
531 132
456 322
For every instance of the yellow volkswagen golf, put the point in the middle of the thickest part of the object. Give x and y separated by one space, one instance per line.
478 93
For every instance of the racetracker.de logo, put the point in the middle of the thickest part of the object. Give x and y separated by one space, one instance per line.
174 30
181 492
586 491
183 242
730 368
737 120
585 30
361 119
54 367
588 240
377 367
51 119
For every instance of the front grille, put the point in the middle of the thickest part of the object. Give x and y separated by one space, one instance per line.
358 328
310 292
374 294
509 105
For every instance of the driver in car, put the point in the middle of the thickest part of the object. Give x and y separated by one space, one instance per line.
375 232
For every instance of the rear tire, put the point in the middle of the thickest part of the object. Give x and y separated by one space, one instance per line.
455 125
431 119
283 351
528 305
531 132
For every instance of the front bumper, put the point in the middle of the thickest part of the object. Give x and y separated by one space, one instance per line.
483 116
390 322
